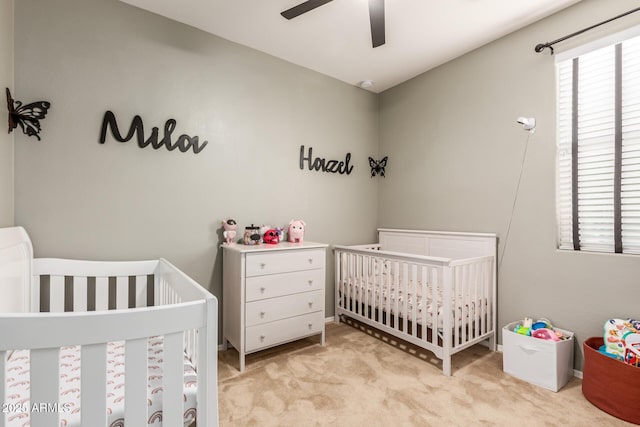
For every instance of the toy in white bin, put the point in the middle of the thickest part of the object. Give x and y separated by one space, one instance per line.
230 226
296 230
541 329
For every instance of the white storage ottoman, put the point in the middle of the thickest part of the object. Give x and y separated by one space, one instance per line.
545 363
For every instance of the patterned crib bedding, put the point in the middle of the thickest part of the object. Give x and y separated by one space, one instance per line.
17 393
464 306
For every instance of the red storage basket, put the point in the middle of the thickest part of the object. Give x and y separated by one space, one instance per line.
610 384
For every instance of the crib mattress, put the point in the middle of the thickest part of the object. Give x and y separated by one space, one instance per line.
393 295
18 386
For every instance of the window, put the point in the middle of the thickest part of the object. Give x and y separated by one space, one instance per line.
598 136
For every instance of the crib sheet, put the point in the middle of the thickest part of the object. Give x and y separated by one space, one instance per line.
464 306
18 386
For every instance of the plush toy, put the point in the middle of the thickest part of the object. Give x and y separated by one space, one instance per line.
271 236
230 226
296 230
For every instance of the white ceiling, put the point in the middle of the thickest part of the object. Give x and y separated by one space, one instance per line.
335 39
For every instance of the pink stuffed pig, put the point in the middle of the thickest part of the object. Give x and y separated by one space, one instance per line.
296 230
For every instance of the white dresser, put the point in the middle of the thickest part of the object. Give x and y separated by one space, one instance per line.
272 294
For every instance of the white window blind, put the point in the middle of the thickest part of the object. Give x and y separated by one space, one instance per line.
598 162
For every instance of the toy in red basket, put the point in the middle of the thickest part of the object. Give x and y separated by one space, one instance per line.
296 230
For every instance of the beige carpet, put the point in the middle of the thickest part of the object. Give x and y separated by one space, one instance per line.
358 379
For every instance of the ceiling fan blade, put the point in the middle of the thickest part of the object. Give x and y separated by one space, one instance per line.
376 16
303 8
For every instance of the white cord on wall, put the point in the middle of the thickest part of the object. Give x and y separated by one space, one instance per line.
515 200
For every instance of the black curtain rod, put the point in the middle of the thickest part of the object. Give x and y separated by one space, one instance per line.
542 46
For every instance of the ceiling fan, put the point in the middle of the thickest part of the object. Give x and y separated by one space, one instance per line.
376 16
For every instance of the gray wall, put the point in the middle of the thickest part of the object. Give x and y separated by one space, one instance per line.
454 147
455 153
80 199
6 140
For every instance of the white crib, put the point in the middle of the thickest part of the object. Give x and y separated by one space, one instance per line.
436 290
48 305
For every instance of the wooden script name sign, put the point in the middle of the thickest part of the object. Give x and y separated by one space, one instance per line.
324 165
184 142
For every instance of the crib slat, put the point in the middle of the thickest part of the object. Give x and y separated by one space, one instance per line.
135 373
424 302
414 296
377 283
349 299
447 324
361 305
354 278
467 273
368 303
455 304
396 285
461 302
436 282
3 358
405 295
486 299
473 301
477 283
44 378
173 380
488 295
93 398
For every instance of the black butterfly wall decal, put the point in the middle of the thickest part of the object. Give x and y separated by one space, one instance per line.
27 116
377 167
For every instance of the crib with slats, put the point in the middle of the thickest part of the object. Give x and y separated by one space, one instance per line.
436 290
142 335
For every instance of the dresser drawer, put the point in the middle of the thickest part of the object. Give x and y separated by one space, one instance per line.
276 285
268 310
281 331
262 263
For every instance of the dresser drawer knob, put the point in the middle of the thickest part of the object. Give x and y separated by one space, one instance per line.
310 260
263 265
262 313
310 325
262 337
262 289
310 282
310 304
